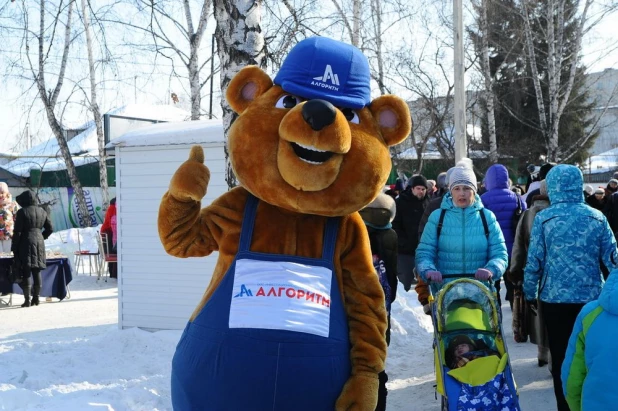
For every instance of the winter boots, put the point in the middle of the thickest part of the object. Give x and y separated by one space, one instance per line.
35 294
26 290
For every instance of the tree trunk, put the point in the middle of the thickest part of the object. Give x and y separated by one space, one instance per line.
489 91
49 101
377 15
195 38
94 106
535 73
356 22
240 42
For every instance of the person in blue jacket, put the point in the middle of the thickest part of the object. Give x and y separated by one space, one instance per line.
568 242
591 358
504 203
461 237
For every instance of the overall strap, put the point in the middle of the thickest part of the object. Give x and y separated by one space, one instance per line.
248 220
330 239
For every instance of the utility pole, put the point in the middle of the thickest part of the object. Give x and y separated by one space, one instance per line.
461 147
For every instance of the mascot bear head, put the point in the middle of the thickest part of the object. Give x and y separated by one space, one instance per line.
313 141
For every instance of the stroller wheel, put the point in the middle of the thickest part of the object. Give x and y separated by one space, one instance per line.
444 406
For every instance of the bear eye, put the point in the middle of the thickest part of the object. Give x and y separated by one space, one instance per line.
288 101
350 115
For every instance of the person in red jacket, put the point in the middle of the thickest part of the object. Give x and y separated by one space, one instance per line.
106 228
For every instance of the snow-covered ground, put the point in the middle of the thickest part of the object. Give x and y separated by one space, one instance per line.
70 355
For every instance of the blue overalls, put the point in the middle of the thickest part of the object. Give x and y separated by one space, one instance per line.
273 336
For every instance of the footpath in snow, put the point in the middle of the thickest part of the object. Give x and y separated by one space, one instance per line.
70 355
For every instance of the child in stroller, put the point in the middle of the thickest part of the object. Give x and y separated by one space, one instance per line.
462 349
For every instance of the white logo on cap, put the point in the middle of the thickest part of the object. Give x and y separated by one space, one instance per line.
328 75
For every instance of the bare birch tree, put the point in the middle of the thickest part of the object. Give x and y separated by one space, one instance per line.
162 24
49 97
240 42
94 106
561 58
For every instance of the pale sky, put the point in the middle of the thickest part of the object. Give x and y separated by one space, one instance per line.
141 81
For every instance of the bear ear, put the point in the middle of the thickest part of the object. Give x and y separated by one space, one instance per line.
393 118
246 86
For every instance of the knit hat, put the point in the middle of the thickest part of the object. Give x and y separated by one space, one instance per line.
441 180
613 180
461 339
323 68
599 190
462 177
417 180
588 189
615 175
463 163
399 185
4 188
544 170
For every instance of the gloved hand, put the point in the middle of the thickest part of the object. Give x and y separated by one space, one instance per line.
435 276
483 274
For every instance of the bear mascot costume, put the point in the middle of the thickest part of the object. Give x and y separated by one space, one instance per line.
294 316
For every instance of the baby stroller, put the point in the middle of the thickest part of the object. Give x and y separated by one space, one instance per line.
466 309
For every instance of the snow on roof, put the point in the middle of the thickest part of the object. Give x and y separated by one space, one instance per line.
602 163
188 132
84 147
410 154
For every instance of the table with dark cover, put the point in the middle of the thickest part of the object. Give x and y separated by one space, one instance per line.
55 277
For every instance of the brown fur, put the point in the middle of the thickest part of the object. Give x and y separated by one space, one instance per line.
296 199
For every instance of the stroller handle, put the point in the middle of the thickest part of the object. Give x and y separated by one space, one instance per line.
459 276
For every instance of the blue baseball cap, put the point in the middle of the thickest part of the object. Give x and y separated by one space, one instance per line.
320 67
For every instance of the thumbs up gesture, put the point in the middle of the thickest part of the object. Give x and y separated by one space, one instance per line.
192 177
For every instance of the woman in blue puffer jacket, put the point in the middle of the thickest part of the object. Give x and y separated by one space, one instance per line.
568 242
461 243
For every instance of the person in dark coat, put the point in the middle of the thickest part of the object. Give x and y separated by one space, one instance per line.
542 173
378 216
29 244
611 212
410 206
597 200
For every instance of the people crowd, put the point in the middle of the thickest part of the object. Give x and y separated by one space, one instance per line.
551 241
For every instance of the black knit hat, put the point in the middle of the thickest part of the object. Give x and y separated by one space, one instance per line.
417 180
544 170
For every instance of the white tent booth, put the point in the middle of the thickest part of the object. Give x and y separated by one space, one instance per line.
155 290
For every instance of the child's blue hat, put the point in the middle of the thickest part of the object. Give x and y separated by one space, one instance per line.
320 67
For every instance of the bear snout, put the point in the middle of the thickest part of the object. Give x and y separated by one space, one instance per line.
319 113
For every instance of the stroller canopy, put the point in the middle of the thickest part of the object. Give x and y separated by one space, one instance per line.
467 304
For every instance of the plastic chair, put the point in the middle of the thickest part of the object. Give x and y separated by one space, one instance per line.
80 255
106 256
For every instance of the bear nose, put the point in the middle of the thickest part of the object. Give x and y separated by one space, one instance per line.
319 113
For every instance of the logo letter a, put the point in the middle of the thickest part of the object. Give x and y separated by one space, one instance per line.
244 291
329 75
